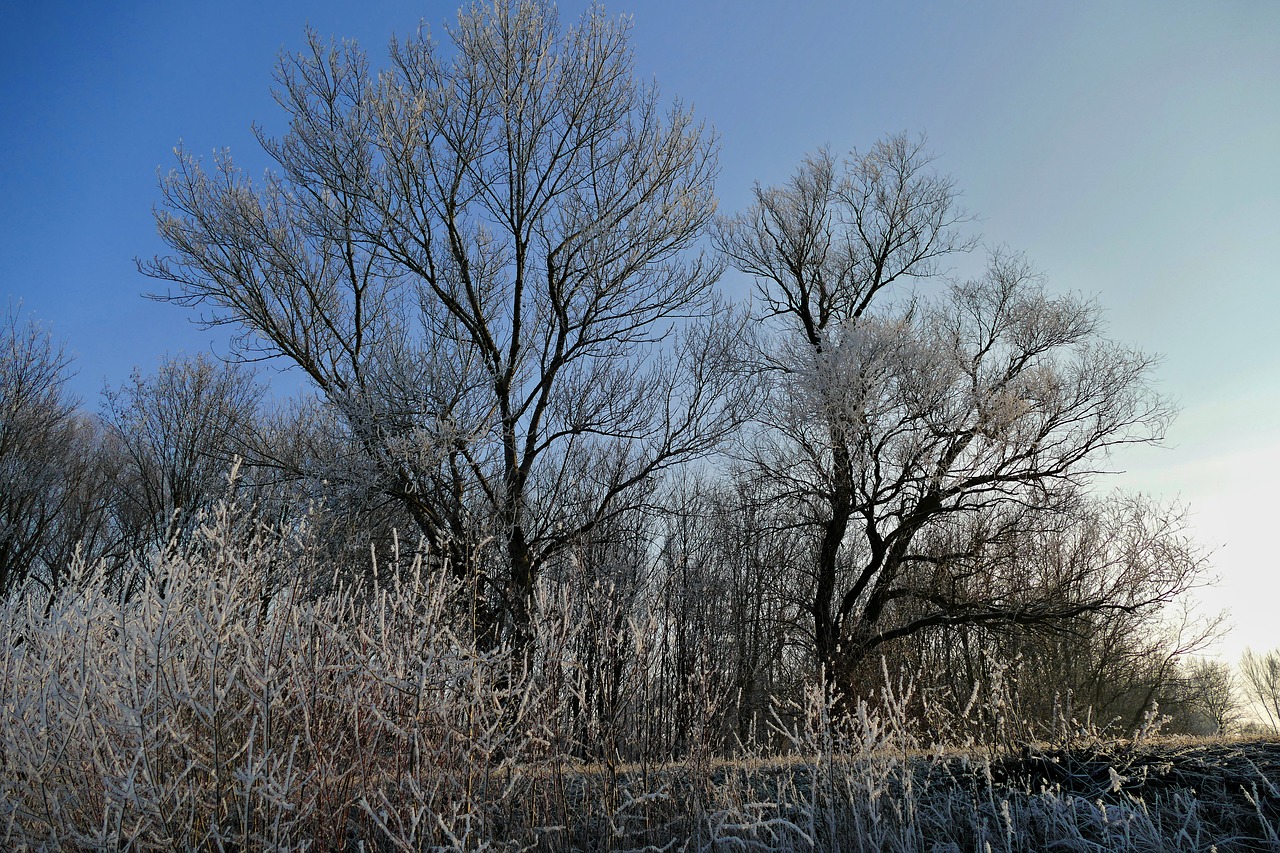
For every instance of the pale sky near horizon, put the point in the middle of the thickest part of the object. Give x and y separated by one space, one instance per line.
1131 150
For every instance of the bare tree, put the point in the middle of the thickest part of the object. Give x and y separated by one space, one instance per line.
917 438
724 612
40 450
479 261
82 530
178 433
1210 691
1260 674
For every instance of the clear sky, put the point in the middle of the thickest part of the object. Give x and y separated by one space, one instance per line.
1132 150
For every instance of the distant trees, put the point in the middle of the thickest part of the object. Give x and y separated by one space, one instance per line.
1210 692
1260 679
35 420
178 433
479 260
107 488
50 465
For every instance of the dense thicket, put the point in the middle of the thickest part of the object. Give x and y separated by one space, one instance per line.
494 262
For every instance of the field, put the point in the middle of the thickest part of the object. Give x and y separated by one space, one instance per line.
199 712
1166 794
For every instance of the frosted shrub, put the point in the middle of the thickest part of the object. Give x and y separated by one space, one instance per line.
216 708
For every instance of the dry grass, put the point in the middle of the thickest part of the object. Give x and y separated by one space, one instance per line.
219 708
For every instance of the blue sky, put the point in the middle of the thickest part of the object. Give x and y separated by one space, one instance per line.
1132 150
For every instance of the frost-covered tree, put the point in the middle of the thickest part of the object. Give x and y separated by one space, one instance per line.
920 438
55 470
178 433
1209 696
1260 678
478 257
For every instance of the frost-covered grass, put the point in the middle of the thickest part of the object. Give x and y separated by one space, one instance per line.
218 708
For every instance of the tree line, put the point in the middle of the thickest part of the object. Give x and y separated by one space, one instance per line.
496 261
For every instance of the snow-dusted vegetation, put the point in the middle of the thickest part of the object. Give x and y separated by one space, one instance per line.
559 547
220 706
